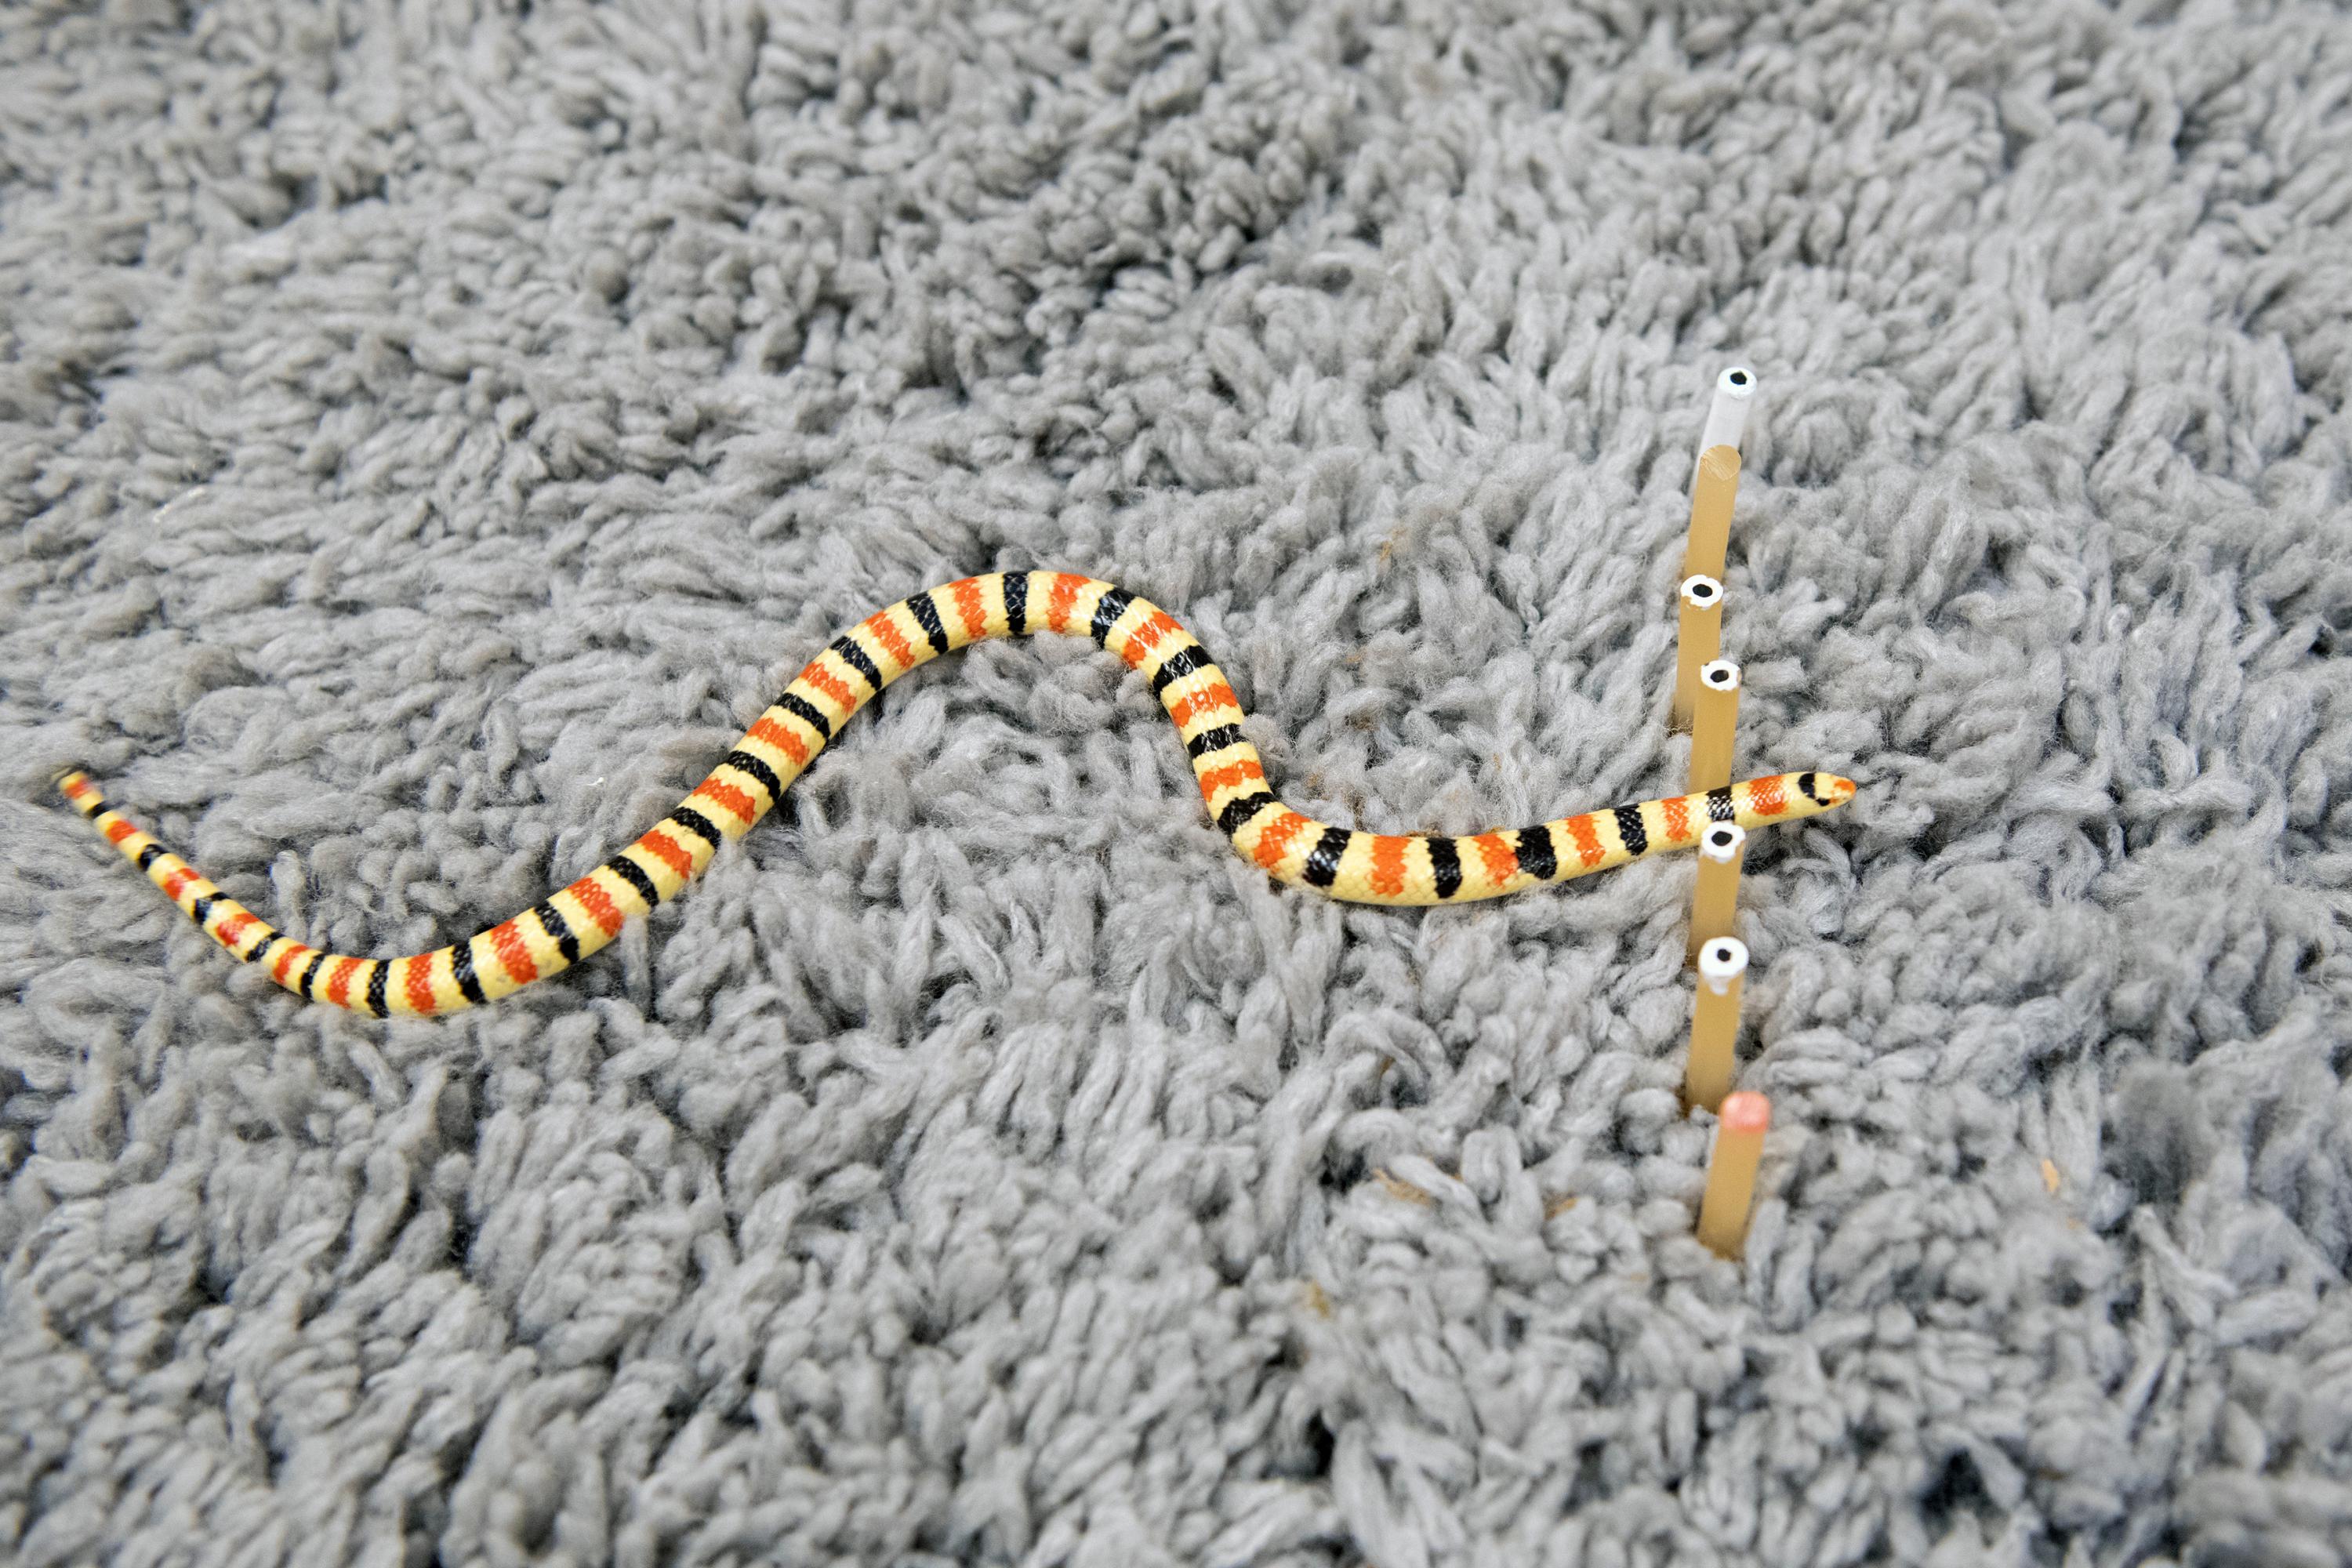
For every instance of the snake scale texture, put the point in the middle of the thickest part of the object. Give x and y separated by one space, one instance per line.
1362 868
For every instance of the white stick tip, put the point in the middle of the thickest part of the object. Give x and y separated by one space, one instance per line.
1721 843
1702 592
1722 675
1727 410
1721 960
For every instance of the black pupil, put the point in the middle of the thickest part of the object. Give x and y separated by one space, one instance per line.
1723 955
1739 379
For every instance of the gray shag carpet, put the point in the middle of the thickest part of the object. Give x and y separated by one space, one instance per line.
430 434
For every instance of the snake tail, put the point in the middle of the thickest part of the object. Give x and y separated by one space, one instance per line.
571 924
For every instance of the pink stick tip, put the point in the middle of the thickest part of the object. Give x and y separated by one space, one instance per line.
1746 1111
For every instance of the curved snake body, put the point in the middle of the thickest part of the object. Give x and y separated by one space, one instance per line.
568 925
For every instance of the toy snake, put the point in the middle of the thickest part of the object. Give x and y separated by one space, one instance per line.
1362 868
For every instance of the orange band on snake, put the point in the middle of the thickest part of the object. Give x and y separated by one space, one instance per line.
1362 868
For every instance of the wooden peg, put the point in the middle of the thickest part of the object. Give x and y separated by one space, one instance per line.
1731 1173
1710 519
1699 640
1715 714
1715 898
1715 1024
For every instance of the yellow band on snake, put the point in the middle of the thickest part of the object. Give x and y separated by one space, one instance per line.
1362 868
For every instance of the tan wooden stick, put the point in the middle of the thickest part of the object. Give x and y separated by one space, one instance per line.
1731 1175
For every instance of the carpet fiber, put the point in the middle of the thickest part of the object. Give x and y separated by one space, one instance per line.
430 434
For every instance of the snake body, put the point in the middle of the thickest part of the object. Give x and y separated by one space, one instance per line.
568 926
